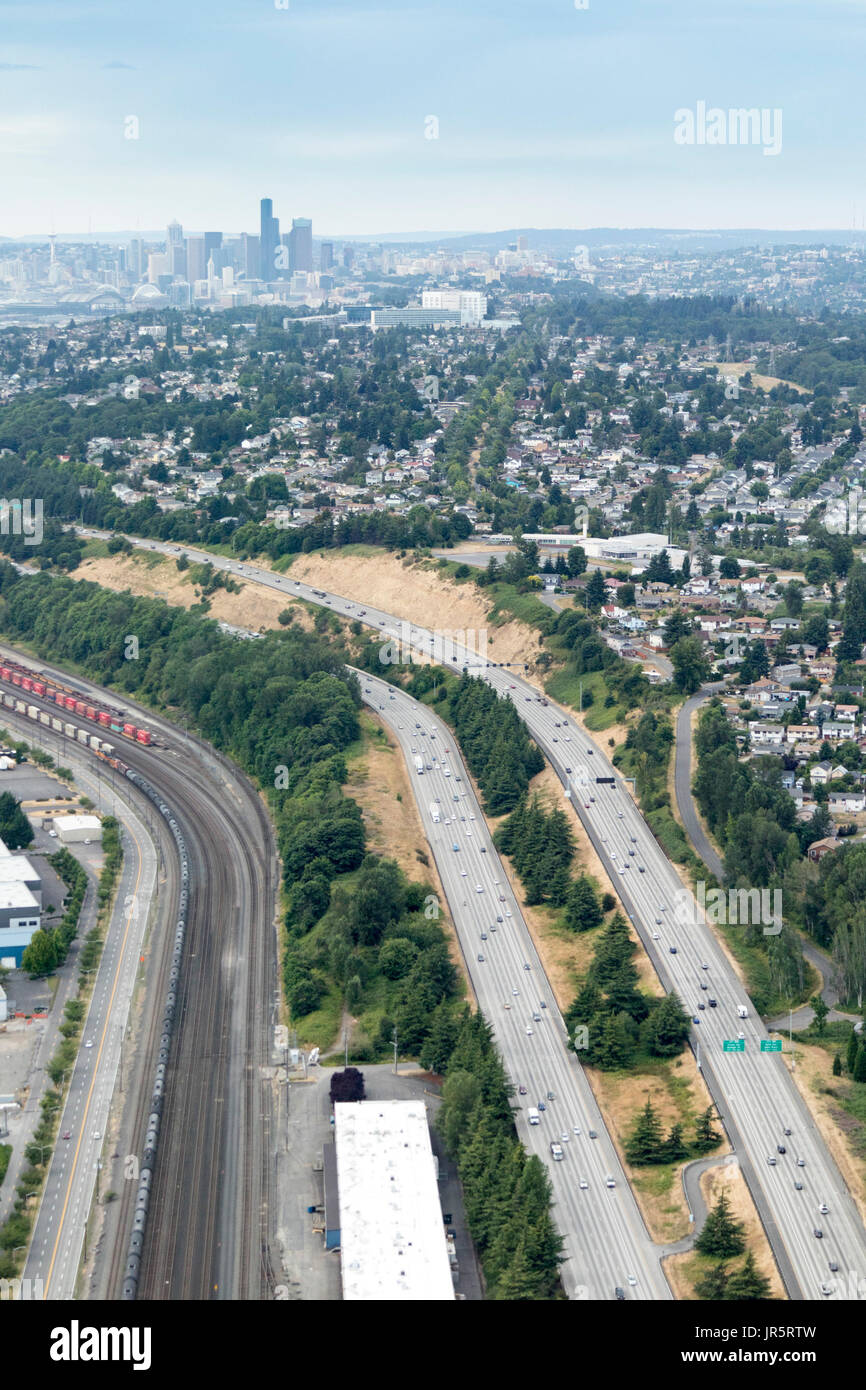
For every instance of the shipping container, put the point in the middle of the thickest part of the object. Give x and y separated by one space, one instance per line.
116 726
142 735
44 718
69 730
57 724
26 683
32 712
39 688
5 672
20 707
90 711
95 741
128 730
82 735
107 750
104 717
68 701
80 707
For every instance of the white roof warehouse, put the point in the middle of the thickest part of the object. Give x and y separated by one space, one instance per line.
392 1235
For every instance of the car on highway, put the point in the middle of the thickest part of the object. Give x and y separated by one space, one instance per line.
499 916
551 1096
536 1018
610 1181
818 1233
592 1134
566 1138
541 1105
67 1134
787 1132
521 1090
542 1004
481 958
515 991
711 1002
641 869
89 1042
771 1159
576 1129
695 1019
704 984
583 1184
673 950
656 936
823 1209
780 1148
96 1134
557 1151
632 1281
801 1163
526 965
479 888
799 1186
833 1267
702 1005
483 849
484 936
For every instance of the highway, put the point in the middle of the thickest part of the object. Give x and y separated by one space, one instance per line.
605 1240
756 1096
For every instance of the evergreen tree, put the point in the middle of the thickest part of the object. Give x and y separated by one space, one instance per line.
675 1147
860 1064
667 1027
837 1064
614 1048
706 1137
748 1282
722 1236
614 950
713 1285
595 593
582 910
644 1144
853 1043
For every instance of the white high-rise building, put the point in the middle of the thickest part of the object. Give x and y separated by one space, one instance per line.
472 304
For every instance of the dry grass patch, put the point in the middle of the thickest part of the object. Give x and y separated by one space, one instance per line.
683 1270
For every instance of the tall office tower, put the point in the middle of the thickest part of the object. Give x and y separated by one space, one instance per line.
251 256
135 259
196 261
522 243
301 244
326 255
173 235
348 257
269 240
157 265
177 259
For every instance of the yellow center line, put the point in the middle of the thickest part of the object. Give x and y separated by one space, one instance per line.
96 1067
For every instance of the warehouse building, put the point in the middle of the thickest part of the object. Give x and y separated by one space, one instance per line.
74 830
20 916
391 1231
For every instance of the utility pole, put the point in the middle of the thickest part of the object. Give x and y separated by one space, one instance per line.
394 1040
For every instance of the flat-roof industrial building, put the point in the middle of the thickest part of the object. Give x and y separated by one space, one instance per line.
391 1232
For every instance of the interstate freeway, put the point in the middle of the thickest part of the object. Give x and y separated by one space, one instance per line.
606 1244
757 1098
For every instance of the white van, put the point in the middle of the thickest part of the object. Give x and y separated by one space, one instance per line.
534 1117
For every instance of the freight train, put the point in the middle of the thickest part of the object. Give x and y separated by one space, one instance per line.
54 693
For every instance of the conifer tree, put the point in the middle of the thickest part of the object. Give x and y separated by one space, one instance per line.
748 1282
722 1236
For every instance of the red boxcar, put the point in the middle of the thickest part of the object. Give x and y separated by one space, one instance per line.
5 672
69 702
39 687
90 711
129 730
79 706
142 735
26 683
16 677
104 717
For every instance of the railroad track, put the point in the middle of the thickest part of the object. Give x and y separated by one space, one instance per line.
208 1233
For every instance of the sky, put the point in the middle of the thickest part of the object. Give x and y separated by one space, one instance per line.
376 116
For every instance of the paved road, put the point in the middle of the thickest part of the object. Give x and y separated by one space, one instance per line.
58 1236
756 1096
605 1238
683 781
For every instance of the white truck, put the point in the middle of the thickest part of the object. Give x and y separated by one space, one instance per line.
419 764
742 1011
434 812
534 1117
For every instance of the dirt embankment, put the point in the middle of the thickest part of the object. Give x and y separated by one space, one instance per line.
418 593
254 607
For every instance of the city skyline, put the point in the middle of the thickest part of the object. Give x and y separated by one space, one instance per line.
393 115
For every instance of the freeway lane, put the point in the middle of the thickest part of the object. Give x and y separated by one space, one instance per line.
605 1240
757 1097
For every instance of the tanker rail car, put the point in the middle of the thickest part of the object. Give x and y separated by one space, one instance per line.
170 1011
63 698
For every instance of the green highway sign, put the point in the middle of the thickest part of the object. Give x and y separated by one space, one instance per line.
734 1045
771 1044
